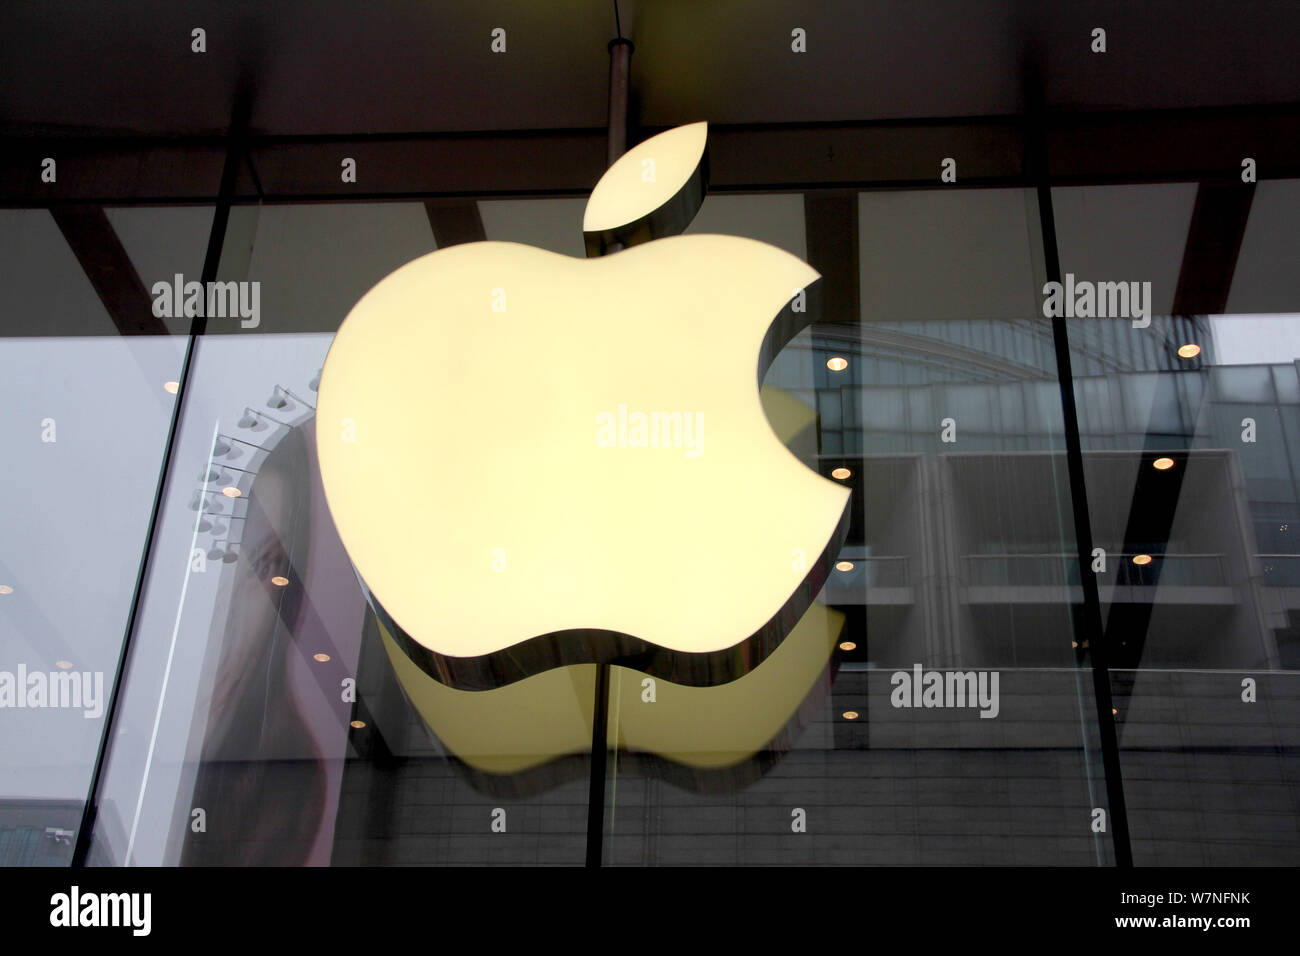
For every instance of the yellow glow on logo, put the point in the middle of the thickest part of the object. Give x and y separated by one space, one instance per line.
569 458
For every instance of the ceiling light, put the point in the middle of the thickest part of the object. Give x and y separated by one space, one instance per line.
279 580
1190 350
1141 559
231 491
837 363
841 473
848 646
171 387
357 724
850 715
6 589
1162 464
323 658
63 665
843 565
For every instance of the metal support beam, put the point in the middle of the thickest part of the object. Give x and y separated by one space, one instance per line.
454 221
1209 263
620 64
99 251
831 230
620 72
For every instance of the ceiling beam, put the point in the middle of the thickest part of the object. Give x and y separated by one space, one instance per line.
112 274
1198 145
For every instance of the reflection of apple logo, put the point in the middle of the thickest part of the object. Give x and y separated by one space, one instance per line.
536 461
524 738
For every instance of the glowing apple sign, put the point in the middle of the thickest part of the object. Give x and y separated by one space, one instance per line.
519 738
535 460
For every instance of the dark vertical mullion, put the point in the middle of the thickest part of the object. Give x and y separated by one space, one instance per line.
211 262
620 66
831 235
1093 646
599 768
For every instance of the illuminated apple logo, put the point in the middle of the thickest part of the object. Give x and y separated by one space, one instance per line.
531 735
536 461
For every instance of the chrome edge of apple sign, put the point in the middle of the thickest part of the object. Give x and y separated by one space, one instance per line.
567 766
563 648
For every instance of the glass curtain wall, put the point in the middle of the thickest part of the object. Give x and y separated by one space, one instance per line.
264 718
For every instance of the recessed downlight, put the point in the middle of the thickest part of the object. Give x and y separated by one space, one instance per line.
841 473
1141 559
850 715
63 665
6 589
357 724
323 658
848 646
171 388
843 565
837 363
230 491
1162 464
1190 350
279 580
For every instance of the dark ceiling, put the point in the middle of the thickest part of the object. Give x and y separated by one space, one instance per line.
398 66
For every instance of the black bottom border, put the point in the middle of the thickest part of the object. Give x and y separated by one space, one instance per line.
491 905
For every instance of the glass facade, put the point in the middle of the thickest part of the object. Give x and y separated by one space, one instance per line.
1063 627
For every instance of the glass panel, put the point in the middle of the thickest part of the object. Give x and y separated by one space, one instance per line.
265 719
1190 430
268 718
87 412
959 562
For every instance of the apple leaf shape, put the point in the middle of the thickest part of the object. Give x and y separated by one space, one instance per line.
490 473
652 191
